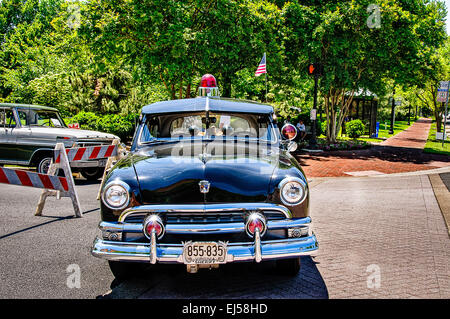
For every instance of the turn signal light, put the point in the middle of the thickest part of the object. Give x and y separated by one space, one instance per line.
255 221
153 223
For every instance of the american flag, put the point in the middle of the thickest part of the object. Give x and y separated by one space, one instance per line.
262 66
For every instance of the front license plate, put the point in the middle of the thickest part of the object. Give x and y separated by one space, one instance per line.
205 252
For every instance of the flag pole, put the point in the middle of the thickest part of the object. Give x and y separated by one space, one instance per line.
266 86
266 75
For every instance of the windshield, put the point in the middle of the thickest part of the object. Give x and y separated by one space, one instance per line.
209 125
45 118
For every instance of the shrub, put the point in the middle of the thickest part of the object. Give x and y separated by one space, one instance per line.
355 128
120 125
87 120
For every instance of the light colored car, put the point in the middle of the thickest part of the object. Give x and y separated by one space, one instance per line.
29 133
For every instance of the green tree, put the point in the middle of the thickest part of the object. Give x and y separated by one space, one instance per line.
358 53
426 90
177 41
26 45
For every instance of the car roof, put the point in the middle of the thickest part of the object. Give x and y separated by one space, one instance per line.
28 106
201 104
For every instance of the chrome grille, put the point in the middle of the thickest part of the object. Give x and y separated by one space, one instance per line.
200 217
93 142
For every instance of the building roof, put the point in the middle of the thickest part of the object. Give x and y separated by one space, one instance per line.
28 106
202 104
364 94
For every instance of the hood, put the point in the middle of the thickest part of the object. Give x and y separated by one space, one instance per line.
76 133
170 173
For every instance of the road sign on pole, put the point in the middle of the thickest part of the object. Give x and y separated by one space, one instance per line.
442 91
442 96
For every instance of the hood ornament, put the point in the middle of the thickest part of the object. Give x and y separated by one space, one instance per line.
204 157
204 186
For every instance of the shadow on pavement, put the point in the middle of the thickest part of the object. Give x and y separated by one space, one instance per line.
240 280
54 219
82 182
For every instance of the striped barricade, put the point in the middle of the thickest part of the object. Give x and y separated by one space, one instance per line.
87 153
31 179
51 183
112 152
69 186
116 155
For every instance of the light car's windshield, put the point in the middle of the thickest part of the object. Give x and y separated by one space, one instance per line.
202 125
36 117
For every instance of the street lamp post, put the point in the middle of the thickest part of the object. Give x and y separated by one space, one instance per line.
391 129
313 140
409 113
316 70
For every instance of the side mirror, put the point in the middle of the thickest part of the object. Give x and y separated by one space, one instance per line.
288 132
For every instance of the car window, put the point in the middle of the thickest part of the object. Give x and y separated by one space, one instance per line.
44 118
23 118
187 126
7 118
217 125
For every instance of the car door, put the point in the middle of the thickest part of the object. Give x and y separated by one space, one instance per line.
26 144
8 138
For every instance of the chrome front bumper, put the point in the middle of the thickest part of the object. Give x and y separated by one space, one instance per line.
91 163
153 252
173 253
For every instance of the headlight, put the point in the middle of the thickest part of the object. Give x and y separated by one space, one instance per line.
116 195
293 191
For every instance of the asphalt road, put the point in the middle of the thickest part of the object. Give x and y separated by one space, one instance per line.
389 225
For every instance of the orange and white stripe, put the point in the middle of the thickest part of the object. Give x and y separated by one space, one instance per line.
31 179
88 153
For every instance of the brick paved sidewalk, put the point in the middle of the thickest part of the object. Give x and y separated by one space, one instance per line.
413 137
400 153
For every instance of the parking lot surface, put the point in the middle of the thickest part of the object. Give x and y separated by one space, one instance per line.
380 237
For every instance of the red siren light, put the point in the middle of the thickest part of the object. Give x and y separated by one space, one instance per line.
208 86
208 81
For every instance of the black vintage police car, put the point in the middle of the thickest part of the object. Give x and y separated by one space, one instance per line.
208 181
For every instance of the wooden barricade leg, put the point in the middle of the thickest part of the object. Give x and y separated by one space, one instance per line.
109 164
47 192
65 166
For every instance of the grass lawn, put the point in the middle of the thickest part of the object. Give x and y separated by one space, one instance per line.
434 146
398 127
383 133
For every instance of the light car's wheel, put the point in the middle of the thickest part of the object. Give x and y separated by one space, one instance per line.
288 267
125 270
92 173
43 165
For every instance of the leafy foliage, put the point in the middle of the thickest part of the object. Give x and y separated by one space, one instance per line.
355 128
122 126
112 57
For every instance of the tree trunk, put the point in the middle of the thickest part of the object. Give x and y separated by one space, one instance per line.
180 93
438 117
226 86
188 91
333 100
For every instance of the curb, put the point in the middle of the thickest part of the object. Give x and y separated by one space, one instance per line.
442 197
439 170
